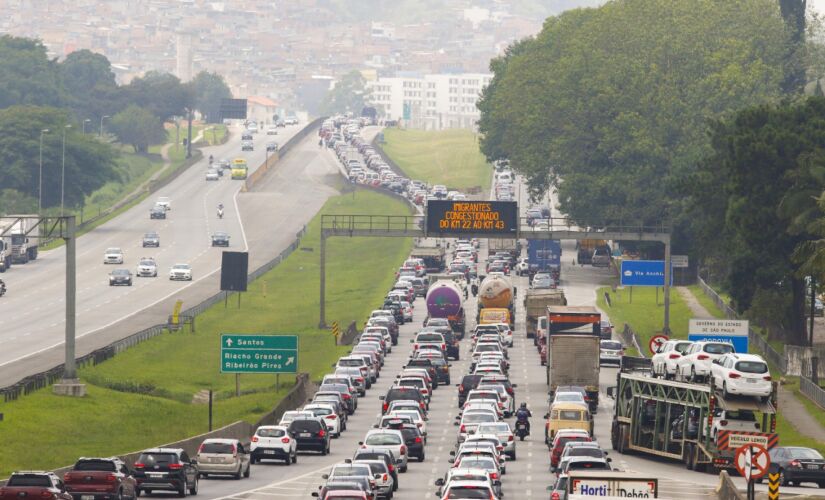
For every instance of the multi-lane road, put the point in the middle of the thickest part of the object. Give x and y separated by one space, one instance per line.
33 309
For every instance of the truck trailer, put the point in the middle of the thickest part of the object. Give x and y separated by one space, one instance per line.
672 419
536 302
573 350
23 241
544 256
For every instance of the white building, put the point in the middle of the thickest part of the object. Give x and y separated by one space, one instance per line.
430 102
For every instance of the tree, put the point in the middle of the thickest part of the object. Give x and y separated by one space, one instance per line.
89 84
793 12
138 127
161 93
90 163
27 76
610 105
347 95
209 89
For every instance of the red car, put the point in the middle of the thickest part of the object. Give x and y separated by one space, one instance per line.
558 446
100 478
40 485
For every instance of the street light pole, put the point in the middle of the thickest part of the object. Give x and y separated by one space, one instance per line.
40 177
63 170
87 120
101 124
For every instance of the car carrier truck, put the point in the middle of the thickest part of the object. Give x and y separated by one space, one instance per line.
672 419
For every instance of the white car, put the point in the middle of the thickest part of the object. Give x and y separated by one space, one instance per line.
113 255
327 412
695 363
663 363
272 130
415 417
407 310
506 334
291 415
523 267
164 202
388 439
181 272
504 434
272 442
472 418
743 420
744 374
467 479
147 267
212 175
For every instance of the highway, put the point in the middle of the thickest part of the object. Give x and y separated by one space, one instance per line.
33 309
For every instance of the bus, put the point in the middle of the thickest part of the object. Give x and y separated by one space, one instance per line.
239 168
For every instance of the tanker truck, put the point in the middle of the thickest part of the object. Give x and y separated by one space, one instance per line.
445 299
495 296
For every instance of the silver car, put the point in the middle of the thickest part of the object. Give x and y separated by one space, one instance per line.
504 434
226 457
388 439
147 267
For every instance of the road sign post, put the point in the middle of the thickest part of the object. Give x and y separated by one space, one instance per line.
655 342
752 461
773 482
259 353
336 331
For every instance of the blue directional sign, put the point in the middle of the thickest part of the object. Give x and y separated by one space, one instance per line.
644 273
259 353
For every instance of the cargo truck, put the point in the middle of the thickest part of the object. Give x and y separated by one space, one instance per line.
23 241
602 484
586 249
433 257
544 256
495 245
674 420
536 302
573 350
497 292
5 245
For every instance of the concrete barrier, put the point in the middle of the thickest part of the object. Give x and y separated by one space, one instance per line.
726 490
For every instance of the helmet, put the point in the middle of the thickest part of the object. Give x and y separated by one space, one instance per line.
523 406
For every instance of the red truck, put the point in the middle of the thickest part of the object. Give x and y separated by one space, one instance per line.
100 479
40 485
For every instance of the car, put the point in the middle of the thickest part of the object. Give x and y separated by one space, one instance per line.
290 415
405 393
523 267
663 362
561 438
272 146
273 442
212 175
147 267
327 412
164 202
385 456
151 239
413 437
223 457
247 146
388 439
113 255
99 478
181 272
585 463
384 481
310 434
120 277
220 239
610 351
272 130
589 449
291 120
470 419
468 383
166 469
224 164
742 374
157 212
733 420
349 400
346 488
34 484
351 469
695 363
456 474
798 465
468 489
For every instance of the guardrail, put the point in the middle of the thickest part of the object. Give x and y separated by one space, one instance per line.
47 377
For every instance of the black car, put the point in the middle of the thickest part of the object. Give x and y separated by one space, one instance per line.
442 370
151 239
397 310
343 389
120 277
468 383
398 393
427 364
412 438
390 324
166 469
798 465
310 434
220 239
157 212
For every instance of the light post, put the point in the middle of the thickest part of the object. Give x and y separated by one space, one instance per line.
63 170
101 124
40 177
87 120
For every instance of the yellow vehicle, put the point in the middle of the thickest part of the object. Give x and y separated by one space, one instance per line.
239 169
567 416
490 315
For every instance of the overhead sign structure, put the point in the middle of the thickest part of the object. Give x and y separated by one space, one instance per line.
656 342
644 273
733 331
233 109
259 353
459 218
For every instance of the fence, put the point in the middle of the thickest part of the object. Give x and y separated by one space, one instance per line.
812 391
52 375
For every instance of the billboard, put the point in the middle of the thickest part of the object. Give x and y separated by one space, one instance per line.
472 218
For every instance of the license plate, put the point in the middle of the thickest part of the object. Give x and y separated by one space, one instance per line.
812 466
155 474
87 497
752 380
305 435
269 452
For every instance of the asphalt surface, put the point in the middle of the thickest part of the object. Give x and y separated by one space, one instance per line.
33 310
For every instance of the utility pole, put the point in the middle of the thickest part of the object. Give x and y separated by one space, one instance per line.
40 179
70 385
63 170
101 124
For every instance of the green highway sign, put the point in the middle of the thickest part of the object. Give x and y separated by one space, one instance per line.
242 353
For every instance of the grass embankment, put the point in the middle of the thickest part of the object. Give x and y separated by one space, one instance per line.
449 157
156 380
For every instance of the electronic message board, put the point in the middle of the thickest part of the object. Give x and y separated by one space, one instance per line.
483 218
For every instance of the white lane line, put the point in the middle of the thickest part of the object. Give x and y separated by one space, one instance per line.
272 485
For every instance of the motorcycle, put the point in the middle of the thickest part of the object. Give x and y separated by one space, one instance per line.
521 429
220 213
2 288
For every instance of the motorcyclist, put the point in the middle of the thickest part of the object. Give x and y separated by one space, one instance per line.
210 159
2 287
523 415
220 210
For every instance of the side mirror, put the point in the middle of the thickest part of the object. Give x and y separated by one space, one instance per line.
439 482
455 423
360 443
315 494
514 386
412 341
546 415
325 476
611 392
381 398
452 453
609 459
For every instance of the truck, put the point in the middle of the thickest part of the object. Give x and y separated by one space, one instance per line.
573 350
670 419
544 256
511 245
433 257
586 249
5 245
497 292
616 484
445 299
23 242
536 302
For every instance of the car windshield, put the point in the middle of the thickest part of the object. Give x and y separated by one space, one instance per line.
751 367
351 470
219 448
477 418
585 451
572 397
613 346
23 480
718 348
151 235
180 266
96 465
566 415
271 433
121 272
468 492
147 263
476 462
805 454
151 459
383 439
